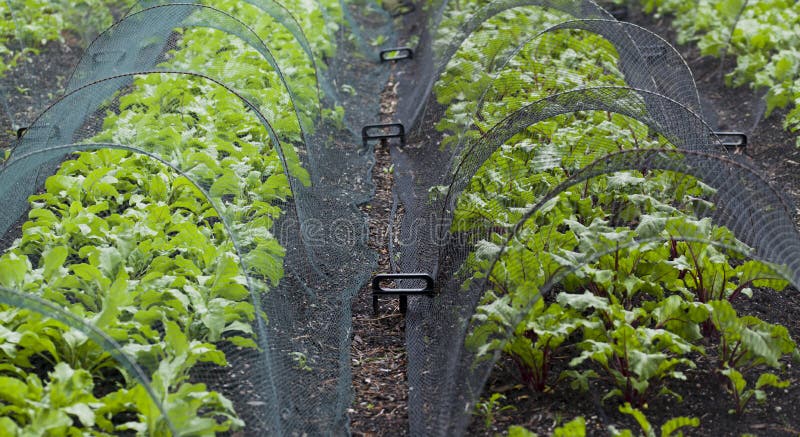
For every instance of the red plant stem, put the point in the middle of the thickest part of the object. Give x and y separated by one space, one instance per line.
701 290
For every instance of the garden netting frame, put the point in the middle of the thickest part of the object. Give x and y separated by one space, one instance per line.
315 291
302 317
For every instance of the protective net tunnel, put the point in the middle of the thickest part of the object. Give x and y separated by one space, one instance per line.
181 231
231 208
531 107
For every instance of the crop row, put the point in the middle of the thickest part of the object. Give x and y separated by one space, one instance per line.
614 280
761 36
27 25
140 253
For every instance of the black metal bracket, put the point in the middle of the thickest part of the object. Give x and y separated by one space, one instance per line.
397 54
368 132
21 131
403 293
733 140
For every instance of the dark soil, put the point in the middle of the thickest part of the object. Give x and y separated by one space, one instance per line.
771 149
36 82
378 349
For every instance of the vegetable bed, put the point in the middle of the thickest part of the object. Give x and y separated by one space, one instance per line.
182 247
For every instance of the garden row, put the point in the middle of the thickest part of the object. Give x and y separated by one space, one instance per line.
165 258
615 280
27 25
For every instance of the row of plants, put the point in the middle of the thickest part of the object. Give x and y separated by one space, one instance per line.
642 287
577 427
760 36
27 25
139 252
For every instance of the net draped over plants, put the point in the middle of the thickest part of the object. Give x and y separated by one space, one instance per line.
215 167
181 232
500 115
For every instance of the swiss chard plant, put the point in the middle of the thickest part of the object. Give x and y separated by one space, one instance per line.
750 344
638 360
639 274
758 35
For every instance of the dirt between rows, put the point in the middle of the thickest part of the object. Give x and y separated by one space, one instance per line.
378 354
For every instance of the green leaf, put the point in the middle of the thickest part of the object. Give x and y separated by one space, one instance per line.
12 270
175 338
639 416
581 302
53 259
117 296
13 391
736 378
88 273
677 423
227 183
518 431
769 379
574 428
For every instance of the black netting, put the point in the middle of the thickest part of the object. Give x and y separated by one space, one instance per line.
527 109
205 159
186 213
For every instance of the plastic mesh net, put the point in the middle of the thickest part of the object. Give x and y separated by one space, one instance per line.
211 178
181 230
533 113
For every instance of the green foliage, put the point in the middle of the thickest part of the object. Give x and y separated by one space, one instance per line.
62 406
139 252
577 426
574 428
742 394
488 408
639 276
637 360
301 361
670 428
760 35
518 431
537 339
27 25
749 343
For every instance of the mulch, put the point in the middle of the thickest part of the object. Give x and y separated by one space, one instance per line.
378 354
